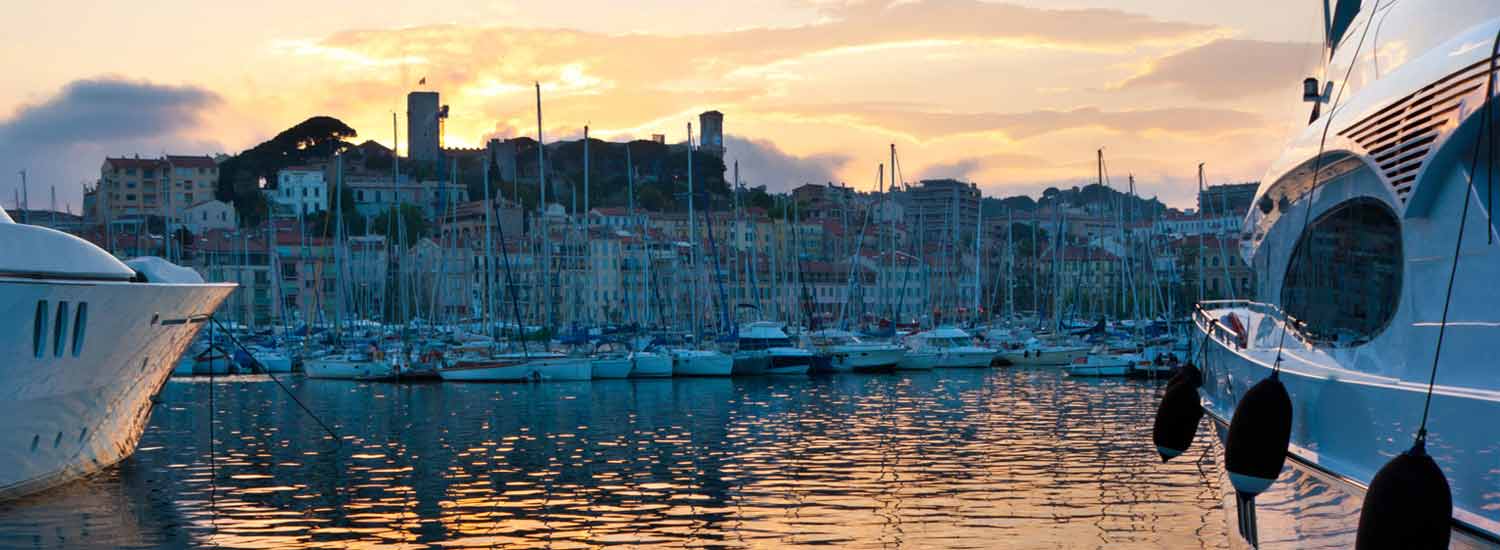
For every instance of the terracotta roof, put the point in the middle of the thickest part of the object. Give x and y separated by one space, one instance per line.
133 162
183 161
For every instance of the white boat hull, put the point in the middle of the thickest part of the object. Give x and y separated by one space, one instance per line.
650 365
1046 357
918 361
701 363
65 416
551 369
965 358
337 368
865 358
610 368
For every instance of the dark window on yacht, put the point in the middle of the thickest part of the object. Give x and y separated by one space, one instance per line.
60 329
80 324
1344 279
39 329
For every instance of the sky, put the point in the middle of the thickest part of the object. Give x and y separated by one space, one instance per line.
1015 96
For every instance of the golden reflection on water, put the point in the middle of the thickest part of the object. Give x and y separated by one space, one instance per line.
944 459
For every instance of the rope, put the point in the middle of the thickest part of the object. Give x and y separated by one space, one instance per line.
1317 170
337 442
1463 219
213 475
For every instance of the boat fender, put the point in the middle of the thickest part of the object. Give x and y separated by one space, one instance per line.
1178 415
1259 434
1408 505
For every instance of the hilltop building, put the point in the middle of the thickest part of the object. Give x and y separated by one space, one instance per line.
711 133
300 190
424 126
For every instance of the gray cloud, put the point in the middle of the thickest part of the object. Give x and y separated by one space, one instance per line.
62 141
968 167
1231 69
762 163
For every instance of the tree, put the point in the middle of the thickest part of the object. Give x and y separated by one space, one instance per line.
316 138
410 216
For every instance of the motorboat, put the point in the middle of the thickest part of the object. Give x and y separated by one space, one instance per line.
103 338
953 346
764 348
842 351
1365 248
1036 353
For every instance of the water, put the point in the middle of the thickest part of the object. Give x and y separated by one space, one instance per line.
947 459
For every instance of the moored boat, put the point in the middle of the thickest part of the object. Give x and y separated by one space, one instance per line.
106 333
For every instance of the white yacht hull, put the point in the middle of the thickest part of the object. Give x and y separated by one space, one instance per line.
650 365
1046 357
1100 367
965 358
701 363
550 369
918 361
865 358
610 368
64 416
338 368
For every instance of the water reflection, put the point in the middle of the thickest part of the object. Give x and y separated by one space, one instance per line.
952 459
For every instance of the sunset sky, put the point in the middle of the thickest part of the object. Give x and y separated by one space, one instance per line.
1014 96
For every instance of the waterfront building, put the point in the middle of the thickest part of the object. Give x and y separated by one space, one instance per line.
208 215
164 186
300 190
944 210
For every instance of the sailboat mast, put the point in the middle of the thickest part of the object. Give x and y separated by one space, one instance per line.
692 239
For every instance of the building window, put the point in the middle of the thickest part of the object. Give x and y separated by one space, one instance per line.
1344 279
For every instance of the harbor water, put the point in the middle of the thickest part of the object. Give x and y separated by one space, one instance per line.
976 458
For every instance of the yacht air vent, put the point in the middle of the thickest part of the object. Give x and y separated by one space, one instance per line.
1401 136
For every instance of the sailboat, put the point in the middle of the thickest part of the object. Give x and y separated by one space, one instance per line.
698 360
362 361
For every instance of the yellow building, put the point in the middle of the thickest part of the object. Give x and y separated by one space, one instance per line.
167 186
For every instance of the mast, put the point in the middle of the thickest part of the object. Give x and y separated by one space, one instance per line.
1201 230
692 240
541 174
978 238
585 174
489 266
